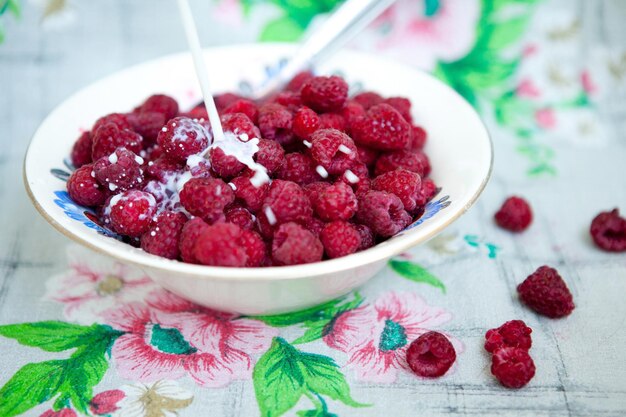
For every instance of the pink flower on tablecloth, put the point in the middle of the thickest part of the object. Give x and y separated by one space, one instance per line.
173 337
545 118
587 82
95 283
64 412
106 402
526 88
376 336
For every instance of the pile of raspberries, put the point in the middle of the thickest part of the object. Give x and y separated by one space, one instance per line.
346 173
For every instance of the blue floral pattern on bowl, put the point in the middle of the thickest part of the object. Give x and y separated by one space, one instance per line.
76 212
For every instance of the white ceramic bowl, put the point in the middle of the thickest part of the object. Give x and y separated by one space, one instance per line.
458 146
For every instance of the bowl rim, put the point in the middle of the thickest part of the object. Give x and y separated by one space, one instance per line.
366 257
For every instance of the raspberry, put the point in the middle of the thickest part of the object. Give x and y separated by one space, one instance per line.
383 213
405 184
295 84
333 150
109 137
368 99
403 105
83 189
160 103
118 119
206 198
182 137
340 239
188 237
81 151
325 94
429 190
240 125
384 128
147 124
293 245
333 121
255 248
225 166
513 367
430 355
514 215
163 168
314 189
285 202
270 154
299 168
241 217
290 100
352 112
335 202
513 333
418 138
305 122
545 292
119 171
367 156
315 226
411 161
132 212
222 101
275 123
367 236
250 196
221 245
246 107
357 177
162 237
199 112
608 231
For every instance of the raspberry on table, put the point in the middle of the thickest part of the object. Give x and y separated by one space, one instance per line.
513 367
367 236
182 137
241 125
305 122
83 188
545 292
81 151
405 184
247 107
335 202
147 124
162 237
409 160
299 168
221 245
403 105
608 231
206 198
160 103
340 238
225 166
241 217
513 333
188 236
119 171
120 120
293 245
132 212
383 213
333 150
109 137
368 99
514 215
430 355
247 194
383 128
324 94
270 154
285 202
275 122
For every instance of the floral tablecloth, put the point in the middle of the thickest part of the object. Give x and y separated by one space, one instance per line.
83 335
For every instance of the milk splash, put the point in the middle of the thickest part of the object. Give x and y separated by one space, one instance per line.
244 152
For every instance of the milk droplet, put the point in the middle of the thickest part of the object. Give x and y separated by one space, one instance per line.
307 143
351 177
139 159
320 170
113 158
343 148
233 186
271 217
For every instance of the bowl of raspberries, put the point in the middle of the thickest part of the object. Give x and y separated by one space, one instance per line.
315 189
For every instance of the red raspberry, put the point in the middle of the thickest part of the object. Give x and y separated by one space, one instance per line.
405 184
357 177
198 113
325 94
403 105
162 237
368 99
430 355
384 128
513 333
81 151
119 171
147 124
293 245
163 168
352 112
289 100
545 292
333 150
225 166
132 212
295 84
275 122
255 248
367 236
118 119
411 161
305 122
246 107
109 137
188 237
315 226
429 190
418 138
270 154
250 196
383 213
514 215
336 202
333 121
314 189
222 244
299 168
182 137
222 101
367 156
241 217
285 202
84 189
206 198
340 239
608 231
513 367
160 103
240 125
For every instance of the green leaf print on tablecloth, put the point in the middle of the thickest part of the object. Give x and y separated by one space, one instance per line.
8 7
416 273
